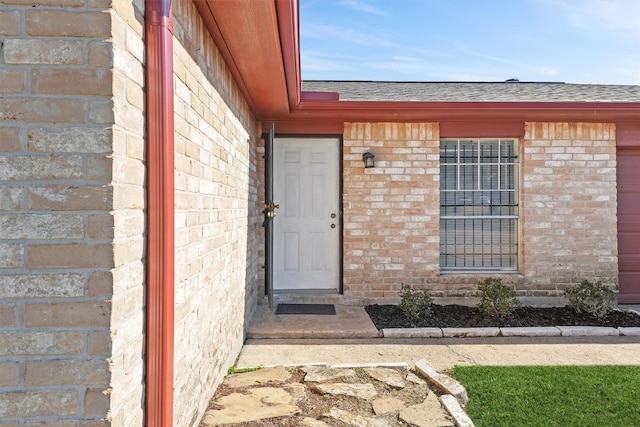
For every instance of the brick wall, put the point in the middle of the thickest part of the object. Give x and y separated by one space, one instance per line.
391 212
56 198
569 205
215 232
127 220
72 224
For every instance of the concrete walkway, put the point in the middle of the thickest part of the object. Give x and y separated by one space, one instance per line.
349 337
443 353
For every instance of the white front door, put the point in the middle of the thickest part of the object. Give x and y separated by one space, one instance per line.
306 253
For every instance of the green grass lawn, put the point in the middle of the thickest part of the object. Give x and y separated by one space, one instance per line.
567 396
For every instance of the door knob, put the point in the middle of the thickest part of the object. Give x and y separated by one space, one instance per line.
333 215
333 226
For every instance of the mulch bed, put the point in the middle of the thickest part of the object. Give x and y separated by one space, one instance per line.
458 316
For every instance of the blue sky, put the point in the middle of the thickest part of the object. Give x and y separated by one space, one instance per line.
573 41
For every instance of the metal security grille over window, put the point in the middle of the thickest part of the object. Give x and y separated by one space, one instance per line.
479 204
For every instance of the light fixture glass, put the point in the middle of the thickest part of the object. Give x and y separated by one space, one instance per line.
369 160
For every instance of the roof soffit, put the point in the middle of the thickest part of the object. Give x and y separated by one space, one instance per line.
247 35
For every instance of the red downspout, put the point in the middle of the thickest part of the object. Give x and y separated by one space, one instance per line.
160 214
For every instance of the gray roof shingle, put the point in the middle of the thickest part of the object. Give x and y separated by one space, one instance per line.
474 92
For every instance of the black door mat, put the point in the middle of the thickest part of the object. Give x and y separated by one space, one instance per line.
306 309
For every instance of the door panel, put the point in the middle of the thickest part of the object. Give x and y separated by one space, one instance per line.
629 225
306 246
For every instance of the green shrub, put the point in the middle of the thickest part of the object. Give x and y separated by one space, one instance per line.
497 299
415 303
592 298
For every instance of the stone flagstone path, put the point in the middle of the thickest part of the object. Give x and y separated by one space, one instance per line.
321 396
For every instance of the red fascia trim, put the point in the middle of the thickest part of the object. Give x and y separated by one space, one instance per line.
288 26
487 118
160 214
410 111
448 129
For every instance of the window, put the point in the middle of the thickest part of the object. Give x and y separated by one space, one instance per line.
479 204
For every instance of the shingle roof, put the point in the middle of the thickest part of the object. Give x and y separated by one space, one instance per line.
474 92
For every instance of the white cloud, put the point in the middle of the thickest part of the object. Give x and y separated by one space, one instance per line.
327 32
402 65
362 6
319 62
621 17
542 70
422 70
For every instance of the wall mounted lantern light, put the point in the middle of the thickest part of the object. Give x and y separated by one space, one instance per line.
369 160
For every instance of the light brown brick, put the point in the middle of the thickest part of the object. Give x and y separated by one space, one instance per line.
130 172
101 112
10 141
9 374
135 95
31 404
100 284
87 423
37 51
66 198
41 343
80 314
71 82
8 318
135 147
12 81
57 23
99 4
133 250
42 286
10 200
385 209
551 153
101 54
128 197
130 224
70 256
99 343
35 168
25 226
130 14
97 401
42 110
100 226
66 372
129 117
9 23
71 139
49 3
99 168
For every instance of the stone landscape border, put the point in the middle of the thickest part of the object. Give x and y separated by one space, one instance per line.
548 331
452 395
454 398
